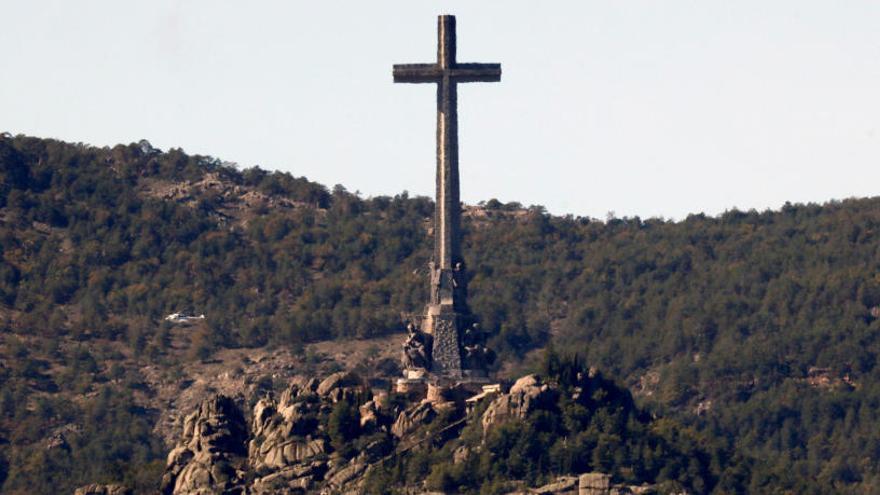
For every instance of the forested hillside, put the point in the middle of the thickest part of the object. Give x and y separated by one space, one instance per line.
758 327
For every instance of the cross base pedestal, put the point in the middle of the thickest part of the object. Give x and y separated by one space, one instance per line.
445 353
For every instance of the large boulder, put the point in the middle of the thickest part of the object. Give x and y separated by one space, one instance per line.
342 385
526 383
276 452
413 418
526 395
345 476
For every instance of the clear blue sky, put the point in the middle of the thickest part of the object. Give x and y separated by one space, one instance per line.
644 108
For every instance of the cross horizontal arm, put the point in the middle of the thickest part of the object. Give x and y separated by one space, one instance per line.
429 73
476 72
417 73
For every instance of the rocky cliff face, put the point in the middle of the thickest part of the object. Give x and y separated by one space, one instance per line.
325 436
211 455
286 449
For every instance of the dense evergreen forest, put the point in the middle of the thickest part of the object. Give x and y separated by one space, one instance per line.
759 328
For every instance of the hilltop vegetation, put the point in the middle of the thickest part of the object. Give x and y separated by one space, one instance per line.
565 420
756 327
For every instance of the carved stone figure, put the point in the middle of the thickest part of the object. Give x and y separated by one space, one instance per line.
477 357
415 349
472 335
475 354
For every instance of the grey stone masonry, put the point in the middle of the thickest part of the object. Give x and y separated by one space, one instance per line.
446 355
447 302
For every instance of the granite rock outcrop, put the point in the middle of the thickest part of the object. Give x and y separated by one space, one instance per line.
287 448
296 441
211 455
525 395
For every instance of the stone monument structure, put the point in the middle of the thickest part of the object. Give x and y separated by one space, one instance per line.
449 345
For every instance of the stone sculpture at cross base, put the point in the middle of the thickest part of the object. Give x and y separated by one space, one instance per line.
476 354
416 350
449 356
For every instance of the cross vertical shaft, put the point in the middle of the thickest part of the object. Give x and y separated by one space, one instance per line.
447 244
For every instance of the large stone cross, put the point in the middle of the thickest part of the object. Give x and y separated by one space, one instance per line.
447 73
447 311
